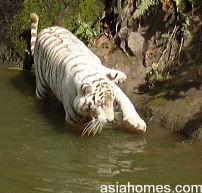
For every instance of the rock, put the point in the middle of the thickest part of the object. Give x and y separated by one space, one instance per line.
136 42
101 40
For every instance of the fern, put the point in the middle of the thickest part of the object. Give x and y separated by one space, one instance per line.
181 4
143 7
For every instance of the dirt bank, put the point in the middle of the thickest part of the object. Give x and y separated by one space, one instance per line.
175 104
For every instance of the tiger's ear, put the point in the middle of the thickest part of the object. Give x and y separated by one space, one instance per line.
86 88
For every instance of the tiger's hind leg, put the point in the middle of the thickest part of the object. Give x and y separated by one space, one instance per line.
41 89
41 84
41 94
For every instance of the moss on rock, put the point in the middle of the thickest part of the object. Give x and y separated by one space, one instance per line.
89 10
65 13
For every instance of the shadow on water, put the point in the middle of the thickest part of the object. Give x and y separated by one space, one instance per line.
28 60
51 109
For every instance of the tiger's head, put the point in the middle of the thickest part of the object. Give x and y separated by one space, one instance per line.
97 103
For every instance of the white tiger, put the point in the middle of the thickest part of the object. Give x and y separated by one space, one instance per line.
77 77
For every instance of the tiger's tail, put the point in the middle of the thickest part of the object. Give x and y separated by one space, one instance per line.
34 26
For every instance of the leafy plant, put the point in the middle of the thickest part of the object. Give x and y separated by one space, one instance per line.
154 75
185 24
89 10
166 35
181 4
144 6
118 6
86 31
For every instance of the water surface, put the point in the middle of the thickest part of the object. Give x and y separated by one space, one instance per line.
39 153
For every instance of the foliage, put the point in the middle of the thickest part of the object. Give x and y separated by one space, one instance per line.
185 24
166 35
86 31
86 28
169 6
89 10
181 4
21 21
154 75
65 13
119 6
45 10
143 7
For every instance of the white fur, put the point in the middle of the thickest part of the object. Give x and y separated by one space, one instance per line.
67 51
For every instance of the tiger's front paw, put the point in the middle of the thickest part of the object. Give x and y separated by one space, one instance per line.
137 123
117 76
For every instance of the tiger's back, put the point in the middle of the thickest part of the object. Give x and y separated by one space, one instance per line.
58 50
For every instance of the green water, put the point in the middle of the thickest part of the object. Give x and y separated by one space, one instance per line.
39 153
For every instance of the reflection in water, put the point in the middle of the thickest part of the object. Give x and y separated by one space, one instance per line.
114 163
40 153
